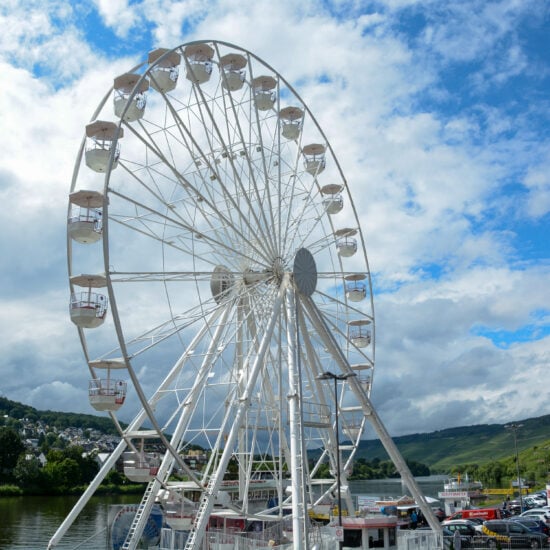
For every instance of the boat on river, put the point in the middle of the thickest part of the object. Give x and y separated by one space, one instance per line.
460 494
460 484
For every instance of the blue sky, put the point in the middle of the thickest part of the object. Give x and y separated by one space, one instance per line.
439 113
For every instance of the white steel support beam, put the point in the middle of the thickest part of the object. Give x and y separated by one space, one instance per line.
134 425
371 414
207 503
294 413
190 401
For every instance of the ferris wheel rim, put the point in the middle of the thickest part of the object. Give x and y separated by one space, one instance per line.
289 263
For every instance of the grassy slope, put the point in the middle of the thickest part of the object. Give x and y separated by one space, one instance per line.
439 450
470 444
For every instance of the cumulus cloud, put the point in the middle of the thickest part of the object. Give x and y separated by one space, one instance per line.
118 15
537 182
445 160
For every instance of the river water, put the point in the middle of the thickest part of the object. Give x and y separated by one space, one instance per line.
28 523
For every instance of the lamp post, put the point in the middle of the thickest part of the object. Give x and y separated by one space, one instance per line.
337 377
514 429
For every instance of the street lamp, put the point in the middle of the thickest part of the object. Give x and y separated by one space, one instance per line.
337 377
514 429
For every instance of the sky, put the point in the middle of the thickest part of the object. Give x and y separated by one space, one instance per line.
439 114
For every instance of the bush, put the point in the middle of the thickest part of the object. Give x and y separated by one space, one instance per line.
10 491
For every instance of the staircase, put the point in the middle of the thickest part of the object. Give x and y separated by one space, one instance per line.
142 514
203 512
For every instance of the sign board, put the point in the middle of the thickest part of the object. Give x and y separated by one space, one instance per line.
368 503
338 533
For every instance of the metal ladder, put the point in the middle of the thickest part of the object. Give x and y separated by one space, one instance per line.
203 510
142 514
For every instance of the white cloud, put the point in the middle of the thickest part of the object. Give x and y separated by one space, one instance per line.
118 15
426 169
537 181
59 396
41 36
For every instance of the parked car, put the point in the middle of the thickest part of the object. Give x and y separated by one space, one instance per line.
514 507
539 513
533 524
483 513
534 501
448 537
478 523
511 534
464 526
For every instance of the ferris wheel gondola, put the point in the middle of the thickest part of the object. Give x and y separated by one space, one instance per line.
227 274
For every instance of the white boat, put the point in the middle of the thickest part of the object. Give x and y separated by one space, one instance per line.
459 484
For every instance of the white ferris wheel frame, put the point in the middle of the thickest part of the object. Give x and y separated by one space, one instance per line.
293 307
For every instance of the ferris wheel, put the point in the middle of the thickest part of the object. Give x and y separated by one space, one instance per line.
220 284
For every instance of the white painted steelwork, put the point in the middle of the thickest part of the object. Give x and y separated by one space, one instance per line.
226 291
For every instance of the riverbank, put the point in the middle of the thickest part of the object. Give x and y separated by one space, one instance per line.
106 490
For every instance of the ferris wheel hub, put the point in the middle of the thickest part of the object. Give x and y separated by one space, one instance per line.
305 272
278 269
240 207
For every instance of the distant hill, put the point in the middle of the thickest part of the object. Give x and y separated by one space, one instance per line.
440 450
59 420
477 444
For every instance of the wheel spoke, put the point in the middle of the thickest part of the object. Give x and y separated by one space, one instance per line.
227 285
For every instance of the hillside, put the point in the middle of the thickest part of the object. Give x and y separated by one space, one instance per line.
59 420
477 444
440 450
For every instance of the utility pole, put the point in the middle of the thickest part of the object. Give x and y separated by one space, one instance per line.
336 377
513 427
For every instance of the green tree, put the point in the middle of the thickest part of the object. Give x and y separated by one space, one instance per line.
114 478
11 447
417 468
28 472
63 475
55 455
50 440
87 466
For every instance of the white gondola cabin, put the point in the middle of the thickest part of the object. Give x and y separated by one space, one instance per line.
333 201
314 158
181 504
199 62
127 106
346 243
221 283
101 136
107 393
291 122
164 74
365 381
232 71
361 366
140 466
263 88
141 469
85 216
358 332
88 309
356 288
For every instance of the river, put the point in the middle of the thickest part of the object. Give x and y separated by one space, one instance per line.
28 523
